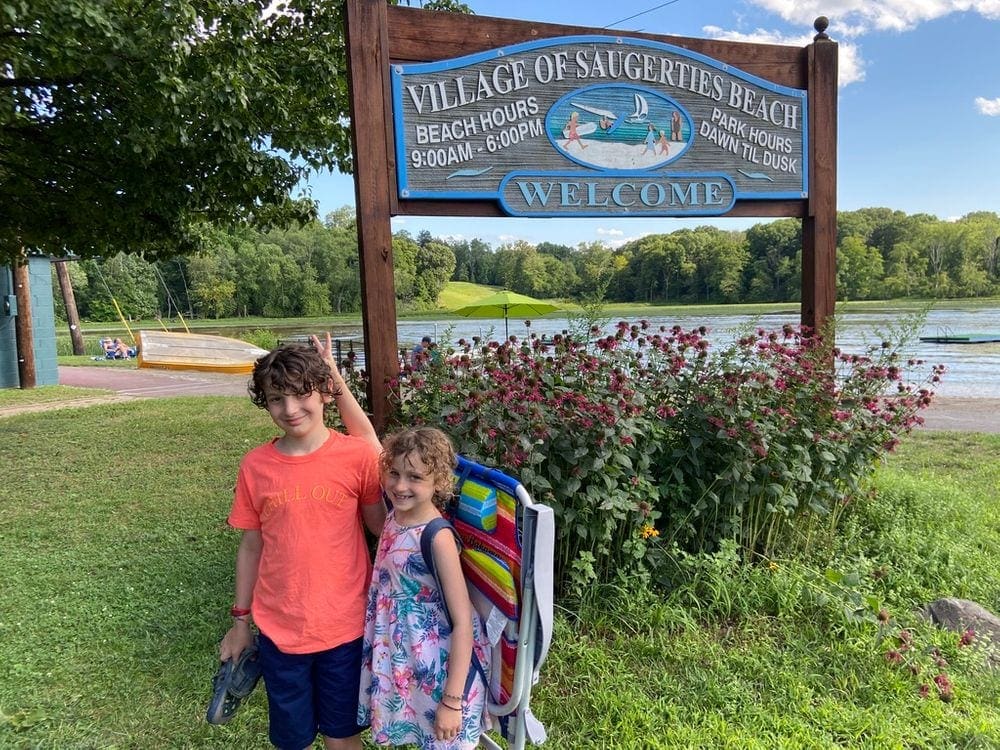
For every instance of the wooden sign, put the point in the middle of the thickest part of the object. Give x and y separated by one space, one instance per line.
461 115
597 125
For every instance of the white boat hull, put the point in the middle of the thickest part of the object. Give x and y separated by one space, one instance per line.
196 351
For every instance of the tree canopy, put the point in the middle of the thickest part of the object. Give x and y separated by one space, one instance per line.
128 125
313 270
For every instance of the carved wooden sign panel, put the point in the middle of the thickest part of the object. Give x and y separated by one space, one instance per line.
594 126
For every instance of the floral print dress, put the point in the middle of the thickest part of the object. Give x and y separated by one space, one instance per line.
406 645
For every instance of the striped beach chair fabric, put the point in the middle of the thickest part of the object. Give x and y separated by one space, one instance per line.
507 558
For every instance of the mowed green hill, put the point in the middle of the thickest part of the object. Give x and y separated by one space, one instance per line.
459 293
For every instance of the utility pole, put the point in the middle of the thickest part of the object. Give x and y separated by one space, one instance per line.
22 325
69 300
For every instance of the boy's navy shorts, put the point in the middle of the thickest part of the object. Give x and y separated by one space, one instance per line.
307 693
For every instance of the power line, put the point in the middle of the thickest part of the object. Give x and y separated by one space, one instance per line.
642 13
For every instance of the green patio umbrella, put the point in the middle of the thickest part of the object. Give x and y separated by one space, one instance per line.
503 305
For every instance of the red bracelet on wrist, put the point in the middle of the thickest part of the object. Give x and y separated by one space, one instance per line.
238 611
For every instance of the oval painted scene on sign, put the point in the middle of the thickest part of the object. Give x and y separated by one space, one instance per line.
618 127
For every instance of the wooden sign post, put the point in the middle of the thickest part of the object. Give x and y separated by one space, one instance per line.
461 115
23 325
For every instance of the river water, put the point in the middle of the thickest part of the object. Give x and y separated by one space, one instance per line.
973 369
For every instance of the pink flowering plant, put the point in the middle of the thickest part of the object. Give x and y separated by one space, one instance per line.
645 440
921 654
776 434
568 423
927 665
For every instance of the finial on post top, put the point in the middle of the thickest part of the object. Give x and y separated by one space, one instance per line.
820 25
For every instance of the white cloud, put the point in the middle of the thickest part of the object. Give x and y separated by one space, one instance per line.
851 66
862 16
505 238
620 238
851 19
990 107
609 232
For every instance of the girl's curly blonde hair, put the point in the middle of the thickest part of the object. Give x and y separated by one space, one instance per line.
435 452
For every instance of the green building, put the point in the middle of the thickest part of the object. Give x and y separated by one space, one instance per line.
43 325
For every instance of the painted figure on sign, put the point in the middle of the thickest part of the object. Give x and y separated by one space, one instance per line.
663 143
650 140
572 128
675 126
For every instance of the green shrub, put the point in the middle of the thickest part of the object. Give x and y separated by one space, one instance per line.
261 337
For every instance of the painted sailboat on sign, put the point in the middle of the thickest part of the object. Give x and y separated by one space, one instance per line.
641 113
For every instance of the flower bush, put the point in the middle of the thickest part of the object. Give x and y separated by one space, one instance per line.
646 440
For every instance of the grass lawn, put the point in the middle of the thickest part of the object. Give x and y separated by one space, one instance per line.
460 293
88 361
17 397
117 570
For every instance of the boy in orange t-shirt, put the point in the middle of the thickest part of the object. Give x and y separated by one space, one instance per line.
303 566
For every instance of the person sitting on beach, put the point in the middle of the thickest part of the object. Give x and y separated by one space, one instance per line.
435 353
121 349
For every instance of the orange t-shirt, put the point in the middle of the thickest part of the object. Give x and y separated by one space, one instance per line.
312 580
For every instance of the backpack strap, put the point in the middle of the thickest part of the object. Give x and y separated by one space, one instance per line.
463 475
426 540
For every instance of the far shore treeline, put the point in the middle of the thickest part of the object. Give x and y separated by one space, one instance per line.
313 270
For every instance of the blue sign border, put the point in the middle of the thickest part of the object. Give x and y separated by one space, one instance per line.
399 71
615 174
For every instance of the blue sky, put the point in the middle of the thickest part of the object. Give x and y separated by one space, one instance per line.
919 122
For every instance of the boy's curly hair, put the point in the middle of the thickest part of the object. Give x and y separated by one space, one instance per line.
291 368
435 451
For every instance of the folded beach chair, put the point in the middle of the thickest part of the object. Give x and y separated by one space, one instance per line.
507 554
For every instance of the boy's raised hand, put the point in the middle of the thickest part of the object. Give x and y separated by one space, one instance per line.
355 421
325 351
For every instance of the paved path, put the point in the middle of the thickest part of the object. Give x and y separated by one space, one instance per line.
961 414
130 384
147 383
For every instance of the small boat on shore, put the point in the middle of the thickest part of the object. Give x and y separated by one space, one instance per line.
967 338
196 351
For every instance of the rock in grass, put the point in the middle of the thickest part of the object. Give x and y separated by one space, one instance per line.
961 616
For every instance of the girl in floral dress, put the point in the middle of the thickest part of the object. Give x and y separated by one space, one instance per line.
418 685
